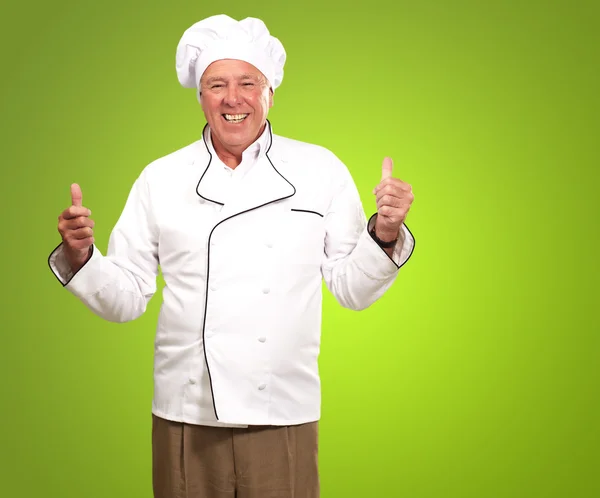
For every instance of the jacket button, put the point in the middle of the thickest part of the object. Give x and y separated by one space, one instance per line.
262 339
266 290
262 387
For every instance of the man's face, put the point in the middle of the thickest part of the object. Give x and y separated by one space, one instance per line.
236 100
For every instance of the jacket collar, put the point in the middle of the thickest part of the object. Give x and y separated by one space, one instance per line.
262 184
255 150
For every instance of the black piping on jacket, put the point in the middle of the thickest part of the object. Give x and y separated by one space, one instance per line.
210 235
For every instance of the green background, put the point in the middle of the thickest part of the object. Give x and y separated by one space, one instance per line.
477 375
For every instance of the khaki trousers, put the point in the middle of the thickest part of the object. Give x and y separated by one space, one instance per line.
190 461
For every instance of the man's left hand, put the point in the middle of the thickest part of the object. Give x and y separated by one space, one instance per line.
394 198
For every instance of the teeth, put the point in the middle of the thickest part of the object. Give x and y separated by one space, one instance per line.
235 118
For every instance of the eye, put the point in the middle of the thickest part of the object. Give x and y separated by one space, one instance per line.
217 86
248 84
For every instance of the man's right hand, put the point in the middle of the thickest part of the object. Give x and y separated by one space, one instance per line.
76 230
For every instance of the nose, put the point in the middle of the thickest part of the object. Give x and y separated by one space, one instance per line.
232 96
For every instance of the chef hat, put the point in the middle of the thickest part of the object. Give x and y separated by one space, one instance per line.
221 37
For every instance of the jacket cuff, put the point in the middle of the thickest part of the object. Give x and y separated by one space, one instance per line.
403 249
59 265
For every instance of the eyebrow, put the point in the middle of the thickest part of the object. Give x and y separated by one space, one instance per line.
213 79
244 76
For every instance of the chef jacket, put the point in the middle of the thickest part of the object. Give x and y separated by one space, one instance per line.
243 254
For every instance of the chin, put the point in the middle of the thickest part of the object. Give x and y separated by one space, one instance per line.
241 135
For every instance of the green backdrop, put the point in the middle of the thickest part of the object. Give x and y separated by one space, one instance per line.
475 376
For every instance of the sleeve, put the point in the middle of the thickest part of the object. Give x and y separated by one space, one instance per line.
356 270
118 286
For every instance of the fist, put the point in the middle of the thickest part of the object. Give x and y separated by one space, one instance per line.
394 198
76 229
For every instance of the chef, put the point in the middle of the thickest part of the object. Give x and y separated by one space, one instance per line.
245 226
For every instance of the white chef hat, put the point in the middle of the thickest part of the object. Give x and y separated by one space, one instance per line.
221 37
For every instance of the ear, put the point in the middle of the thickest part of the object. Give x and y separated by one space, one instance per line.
199 91
270 97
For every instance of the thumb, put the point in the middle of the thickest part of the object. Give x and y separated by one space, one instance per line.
386 168
76 195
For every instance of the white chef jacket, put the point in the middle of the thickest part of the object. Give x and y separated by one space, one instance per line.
243 255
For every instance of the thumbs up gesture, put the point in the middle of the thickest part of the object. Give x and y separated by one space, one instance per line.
75 228
394 198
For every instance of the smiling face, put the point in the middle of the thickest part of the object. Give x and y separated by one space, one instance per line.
235 98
